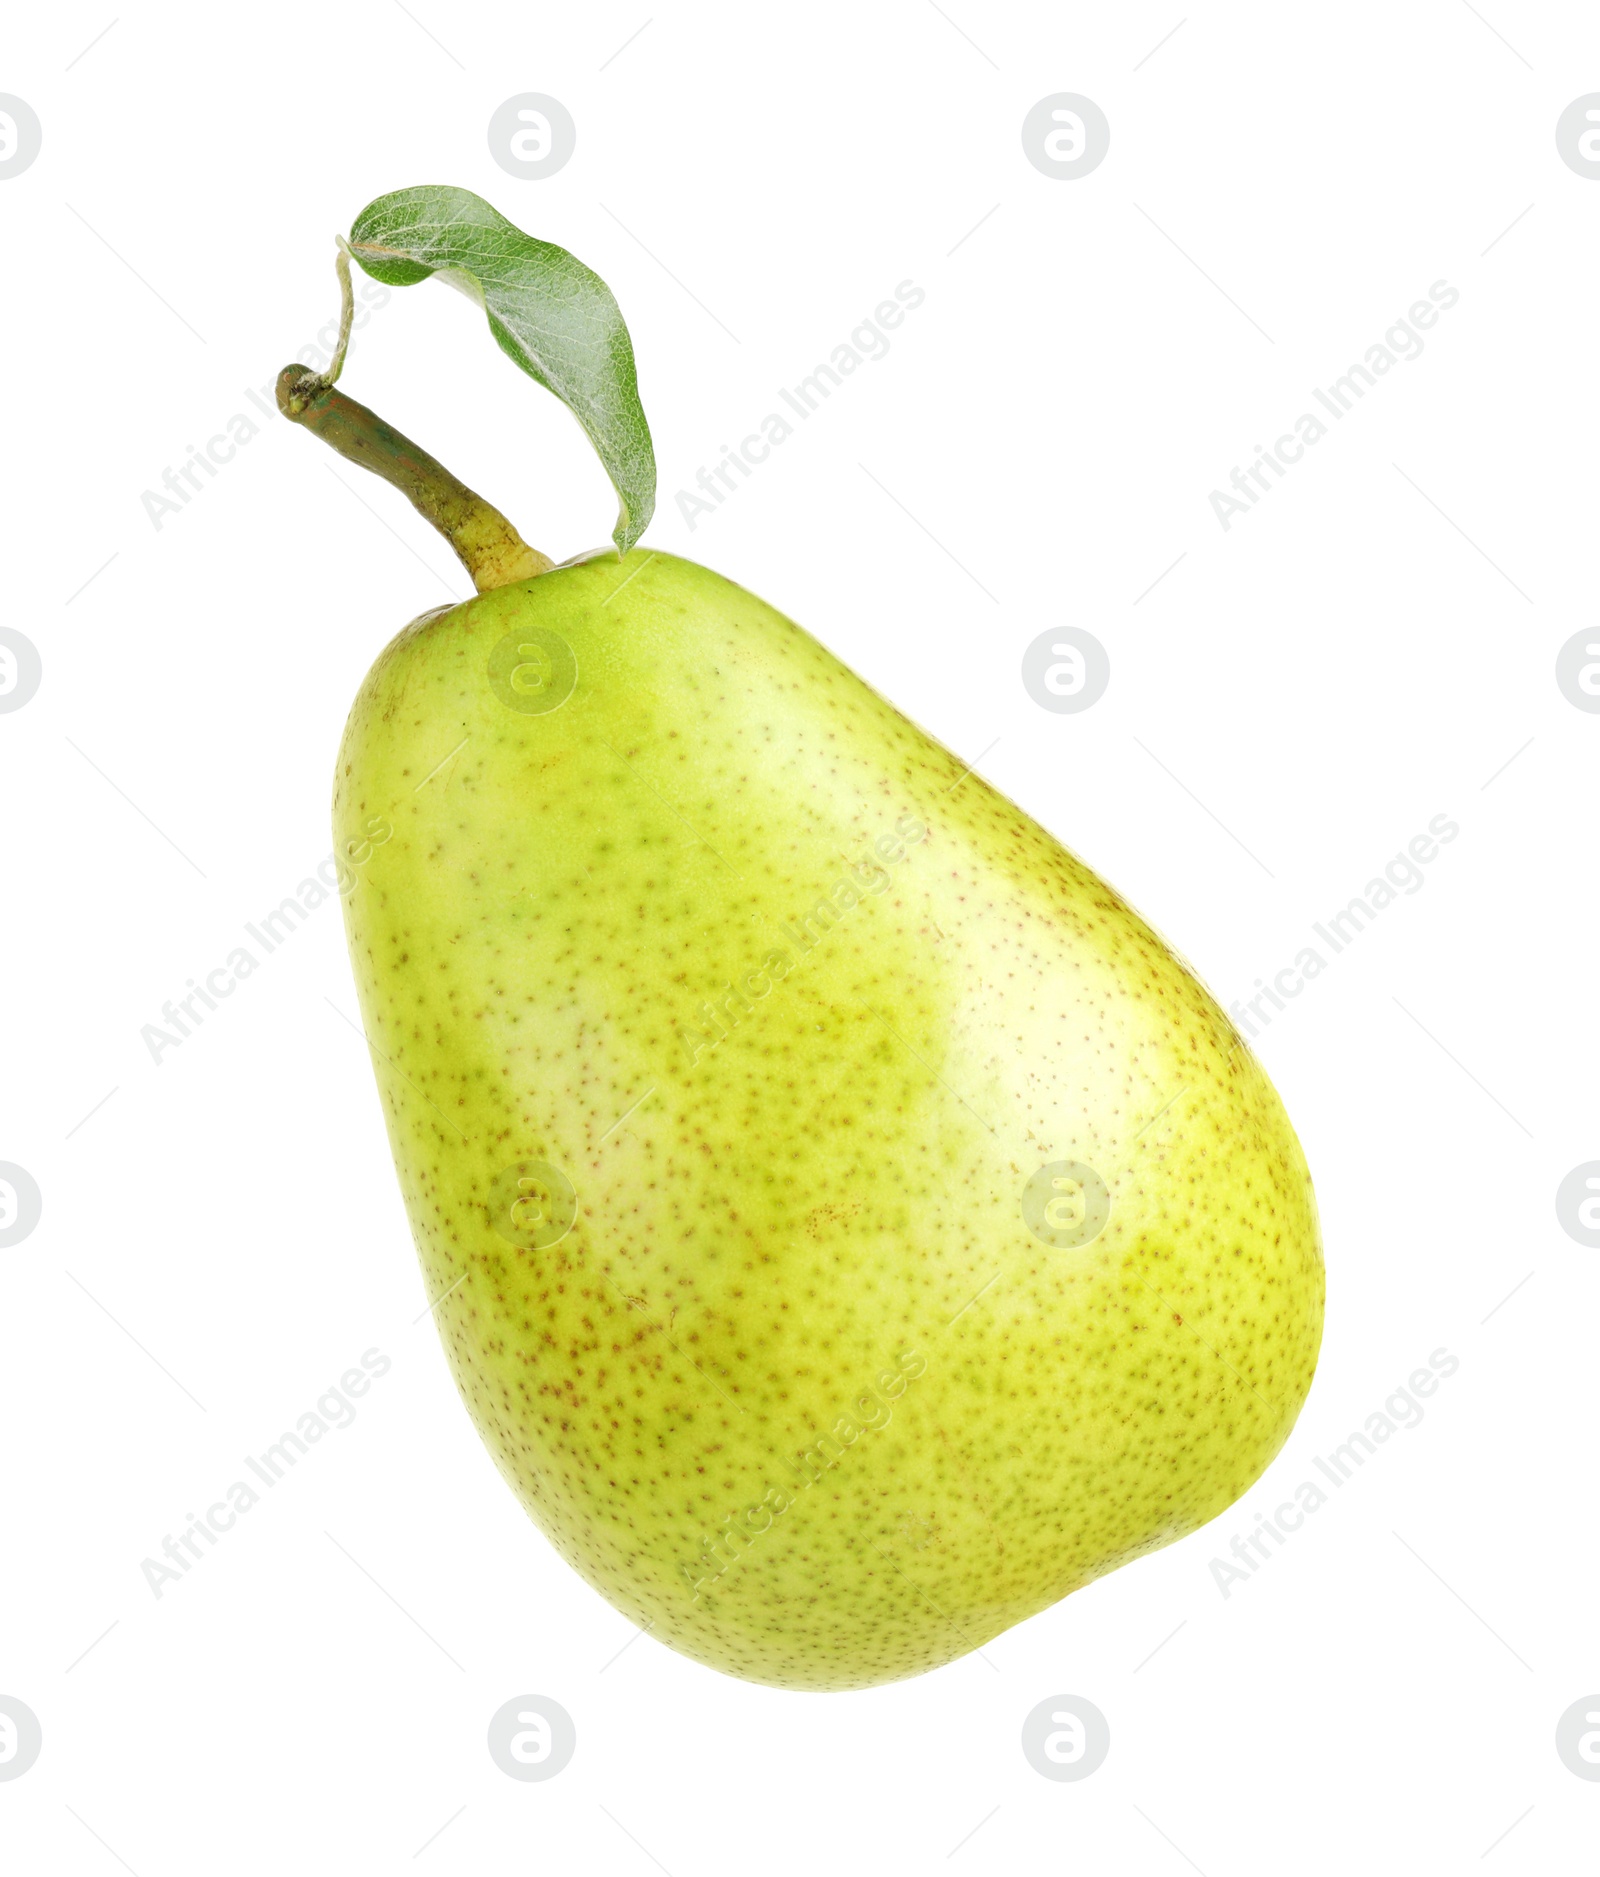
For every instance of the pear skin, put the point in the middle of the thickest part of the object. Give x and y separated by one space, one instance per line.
854 1228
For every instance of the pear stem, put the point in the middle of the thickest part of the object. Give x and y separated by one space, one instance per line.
487 545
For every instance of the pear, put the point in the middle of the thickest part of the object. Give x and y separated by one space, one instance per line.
852 1228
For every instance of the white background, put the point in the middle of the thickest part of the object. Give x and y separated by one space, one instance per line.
1371 646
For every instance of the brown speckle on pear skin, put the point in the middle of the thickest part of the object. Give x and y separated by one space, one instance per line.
799 1152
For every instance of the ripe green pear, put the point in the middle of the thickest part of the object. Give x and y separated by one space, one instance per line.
853 1228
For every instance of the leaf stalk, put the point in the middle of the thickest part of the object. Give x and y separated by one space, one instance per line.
487 545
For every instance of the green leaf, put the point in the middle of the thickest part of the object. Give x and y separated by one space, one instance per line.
545 308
